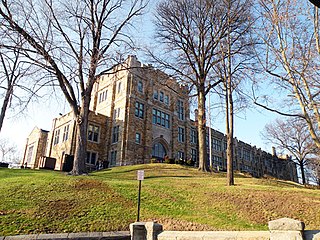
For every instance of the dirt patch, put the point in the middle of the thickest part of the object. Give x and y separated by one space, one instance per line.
59 209
170 224
84 184
261 206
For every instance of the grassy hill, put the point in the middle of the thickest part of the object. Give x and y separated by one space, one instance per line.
180 198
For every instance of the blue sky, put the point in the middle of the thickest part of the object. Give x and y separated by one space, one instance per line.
248 124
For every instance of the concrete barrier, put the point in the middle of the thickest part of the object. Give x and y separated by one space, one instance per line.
280 229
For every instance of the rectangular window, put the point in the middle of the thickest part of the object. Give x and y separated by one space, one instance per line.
194 155
246 155
56 137
115 134
65 133
166 99
180 134
116 113
140 86
155 94
193 136
91 158
113 158
181 155
217 144
138 138
30 153
139 110
103 96
93 133
119 87
160 118
180 109
217 161
154 116
161 96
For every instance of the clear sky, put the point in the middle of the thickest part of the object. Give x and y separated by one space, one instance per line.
248 124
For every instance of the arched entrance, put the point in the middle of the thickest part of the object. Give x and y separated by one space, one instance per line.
159 150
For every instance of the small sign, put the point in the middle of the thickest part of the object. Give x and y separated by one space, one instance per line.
140 175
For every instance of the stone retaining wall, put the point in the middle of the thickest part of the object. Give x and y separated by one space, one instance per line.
281 229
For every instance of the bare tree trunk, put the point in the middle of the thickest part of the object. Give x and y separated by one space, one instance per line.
303 176
5 104
229 107
229 124
202 131
81 138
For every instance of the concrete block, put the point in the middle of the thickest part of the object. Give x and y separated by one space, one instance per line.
22 237
286 224
85 235
138 231
58 236
153 230
122 235
287 235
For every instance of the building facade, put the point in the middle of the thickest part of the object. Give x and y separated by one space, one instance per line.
138 113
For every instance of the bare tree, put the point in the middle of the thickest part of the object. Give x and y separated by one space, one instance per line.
191 30
237 58
313 171
75 42
289 31
8 152
292 136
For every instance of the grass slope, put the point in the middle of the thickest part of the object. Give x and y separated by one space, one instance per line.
180 198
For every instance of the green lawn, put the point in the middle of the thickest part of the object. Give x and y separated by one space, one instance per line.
34 201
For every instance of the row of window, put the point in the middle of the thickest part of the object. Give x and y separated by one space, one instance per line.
103 96
160 96
93 134
64 136
160 118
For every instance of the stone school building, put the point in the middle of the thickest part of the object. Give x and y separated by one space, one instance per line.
139 113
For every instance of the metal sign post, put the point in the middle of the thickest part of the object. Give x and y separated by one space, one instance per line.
140 177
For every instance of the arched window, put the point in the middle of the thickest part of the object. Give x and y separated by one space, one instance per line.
158 150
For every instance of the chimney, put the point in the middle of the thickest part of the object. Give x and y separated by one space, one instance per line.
274 153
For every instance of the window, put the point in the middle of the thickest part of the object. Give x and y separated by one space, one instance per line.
116 113
160 118
56 137
217 144
115 134
140 86
158 150
246 155
194 155
113 158
65 133
138 138
193 136
91 158
166 99
180 155
161 96
180 110
180 134
103 96
119 87
93 133
29 155
155 94
139 110
217 161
